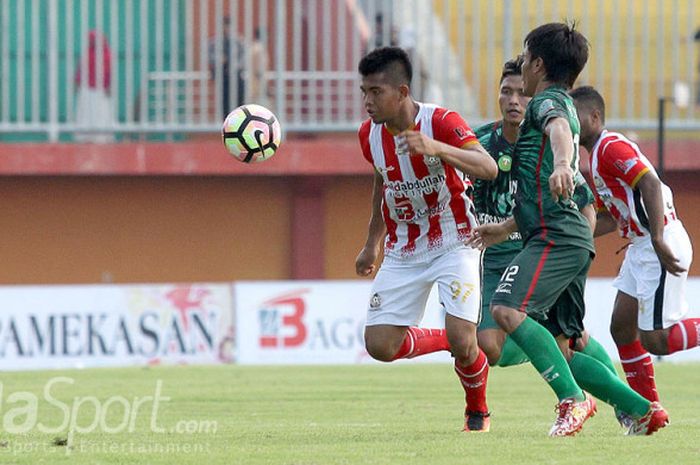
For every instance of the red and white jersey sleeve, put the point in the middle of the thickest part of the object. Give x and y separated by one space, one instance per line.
617 165
363 135
451 128
426 208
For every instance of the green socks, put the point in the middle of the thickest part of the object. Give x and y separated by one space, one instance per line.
596 378
539 345
595 350
591 368
511 354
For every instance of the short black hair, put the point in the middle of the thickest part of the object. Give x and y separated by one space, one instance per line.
563 50
512 67
393 61
590 97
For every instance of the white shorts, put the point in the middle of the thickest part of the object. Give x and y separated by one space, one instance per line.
400 290
661 295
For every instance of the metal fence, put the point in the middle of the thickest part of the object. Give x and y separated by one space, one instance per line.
93 69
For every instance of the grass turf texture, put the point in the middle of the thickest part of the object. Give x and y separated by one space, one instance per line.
375 414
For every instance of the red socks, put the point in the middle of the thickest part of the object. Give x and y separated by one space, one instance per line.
421 341
637 363
639 369
473 379
684 335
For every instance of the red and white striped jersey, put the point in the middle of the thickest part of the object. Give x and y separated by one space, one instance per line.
617 165
426 206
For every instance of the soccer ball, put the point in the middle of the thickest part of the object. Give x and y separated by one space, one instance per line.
251 133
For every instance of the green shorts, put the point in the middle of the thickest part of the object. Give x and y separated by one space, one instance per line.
489 282
547 282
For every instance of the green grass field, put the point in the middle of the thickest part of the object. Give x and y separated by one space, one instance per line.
376 414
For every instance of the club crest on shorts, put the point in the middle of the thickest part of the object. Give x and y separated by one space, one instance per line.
375 302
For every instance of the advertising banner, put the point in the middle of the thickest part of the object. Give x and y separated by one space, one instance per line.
321 322
114 325
309 322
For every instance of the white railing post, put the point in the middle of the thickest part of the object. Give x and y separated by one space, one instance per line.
317 43
53 124
280 51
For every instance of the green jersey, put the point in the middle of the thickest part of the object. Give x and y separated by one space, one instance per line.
494 200
536 213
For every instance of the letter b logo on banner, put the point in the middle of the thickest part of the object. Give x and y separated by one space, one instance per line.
276 322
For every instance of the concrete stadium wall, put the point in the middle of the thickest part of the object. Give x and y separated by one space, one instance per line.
142 229
131 229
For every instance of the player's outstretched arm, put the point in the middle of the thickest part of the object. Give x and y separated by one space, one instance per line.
365 263
605 223
472 159
486 235
650 188
561 182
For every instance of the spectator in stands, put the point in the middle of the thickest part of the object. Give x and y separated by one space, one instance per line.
256 82
231 62
697 95
388 35
93 78
425 88
381 38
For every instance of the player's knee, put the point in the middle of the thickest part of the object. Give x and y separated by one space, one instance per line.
507 318
622 332
465 353
379 350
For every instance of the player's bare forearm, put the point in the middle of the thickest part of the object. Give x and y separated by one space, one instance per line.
605 224
650 188
377 228
561 182
561 140
472 160
365 263
487 235
376 233
509 226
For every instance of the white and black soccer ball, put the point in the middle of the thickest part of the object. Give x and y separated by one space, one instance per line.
251 133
